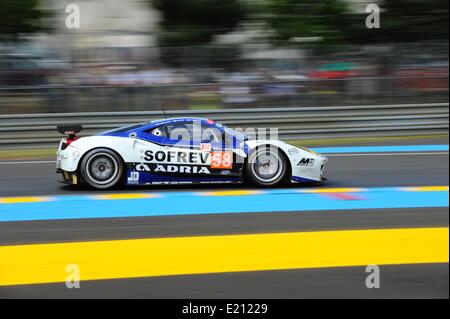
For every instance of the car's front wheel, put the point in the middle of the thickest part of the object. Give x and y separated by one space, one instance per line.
266 166
102 168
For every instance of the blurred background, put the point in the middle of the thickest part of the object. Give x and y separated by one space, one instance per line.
309 68
136 55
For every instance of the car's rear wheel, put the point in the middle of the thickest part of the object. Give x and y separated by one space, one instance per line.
266 166
102 168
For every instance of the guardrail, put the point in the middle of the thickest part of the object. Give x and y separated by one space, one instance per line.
31 130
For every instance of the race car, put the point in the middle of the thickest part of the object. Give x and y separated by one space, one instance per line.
184 150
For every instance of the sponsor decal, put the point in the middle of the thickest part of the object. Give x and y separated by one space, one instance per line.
222 160
133 178
190 182
292 151
205 147
143 168
306 162
167 168
176 157
214 159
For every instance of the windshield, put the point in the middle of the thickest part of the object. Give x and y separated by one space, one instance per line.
239 135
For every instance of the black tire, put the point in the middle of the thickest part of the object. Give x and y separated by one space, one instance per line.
258 166
102 168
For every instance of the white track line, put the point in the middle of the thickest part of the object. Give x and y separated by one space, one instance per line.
328 155
27 162
386 154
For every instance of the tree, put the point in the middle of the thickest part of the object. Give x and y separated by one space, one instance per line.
415 20
326 19
404 21
331 20
196 22
19 16
189 26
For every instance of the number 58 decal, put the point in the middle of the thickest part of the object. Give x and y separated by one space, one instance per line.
222 160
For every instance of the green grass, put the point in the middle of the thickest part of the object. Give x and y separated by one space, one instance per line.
28 154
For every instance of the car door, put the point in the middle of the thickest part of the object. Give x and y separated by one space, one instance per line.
225 163
180 158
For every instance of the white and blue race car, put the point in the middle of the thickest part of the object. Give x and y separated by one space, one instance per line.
181 151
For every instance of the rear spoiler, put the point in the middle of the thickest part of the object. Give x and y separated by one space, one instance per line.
69 129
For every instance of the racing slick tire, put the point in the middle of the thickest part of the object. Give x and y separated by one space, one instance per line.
102 168
267 166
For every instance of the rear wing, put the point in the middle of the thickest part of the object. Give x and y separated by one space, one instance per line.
69 129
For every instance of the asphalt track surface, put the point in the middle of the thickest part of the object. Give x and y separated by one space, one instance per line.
352 170
428 280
